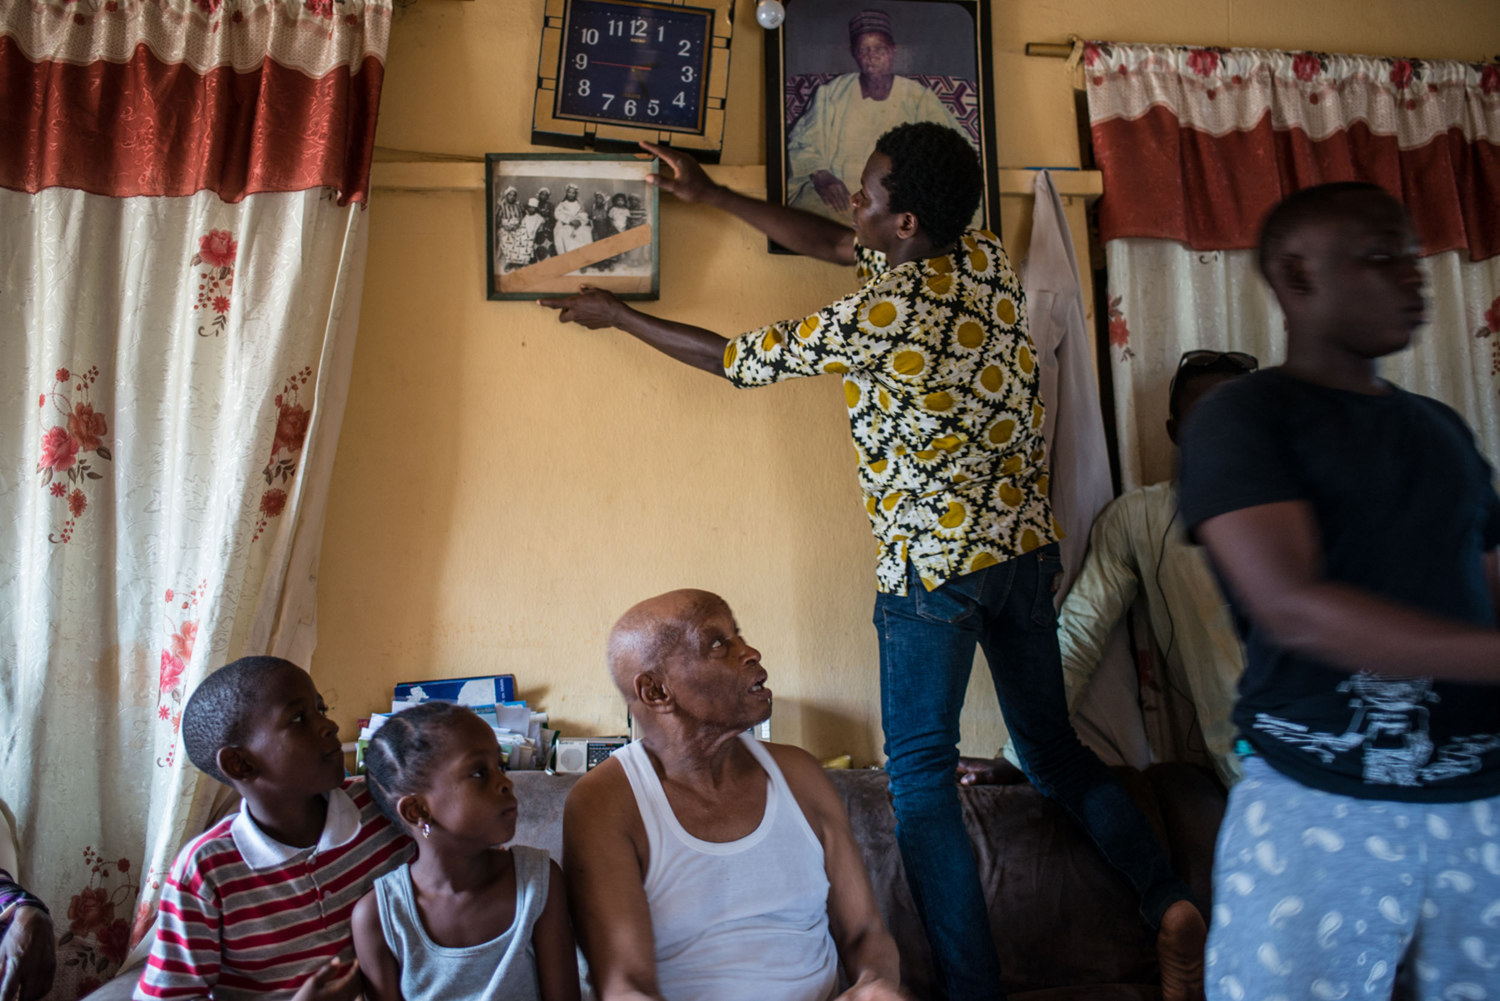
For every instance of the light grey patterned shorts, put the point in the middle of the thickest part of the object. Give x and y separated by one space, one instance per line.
1321 897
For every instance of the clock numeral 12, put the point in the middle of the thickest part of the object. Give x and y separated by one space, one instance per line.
638 27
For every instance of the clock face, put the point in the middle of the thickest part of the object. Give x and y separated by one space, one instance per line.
635 64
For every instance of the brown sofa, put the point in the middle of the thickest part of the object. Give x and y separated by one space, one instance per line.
1065 925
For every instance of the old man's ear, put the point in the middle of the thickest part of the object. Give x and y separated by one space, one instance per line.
651 692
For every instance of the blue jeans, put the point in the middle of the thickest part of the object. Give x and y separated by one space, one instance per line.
927 641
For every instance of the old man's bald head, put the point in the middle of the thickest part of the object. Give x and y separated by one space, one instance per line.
680 657
648 635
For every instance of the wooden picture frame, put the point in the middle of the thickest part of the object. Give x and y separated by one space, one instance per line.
818 120
538 245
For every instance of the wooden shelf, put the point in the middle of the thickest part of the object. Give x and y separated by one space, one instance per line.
1086 183
464 175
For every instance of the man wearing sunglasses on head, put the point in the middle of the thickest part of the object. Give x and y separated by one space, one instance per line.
1137 547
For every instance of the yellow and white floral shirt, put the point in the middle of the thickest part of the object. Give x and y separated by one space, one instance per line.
941 380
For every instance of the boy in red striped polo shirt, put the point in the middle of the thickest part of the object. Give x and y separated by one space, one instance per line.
258 906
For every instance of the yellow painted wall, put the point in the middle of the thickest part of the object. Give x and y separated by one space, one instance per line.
505 487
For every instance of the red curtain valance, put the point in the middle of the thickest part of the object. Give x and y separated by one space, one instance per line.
1197 145
271 102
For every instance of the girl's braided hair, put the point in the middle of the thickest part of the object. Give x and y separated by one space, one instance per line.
402 753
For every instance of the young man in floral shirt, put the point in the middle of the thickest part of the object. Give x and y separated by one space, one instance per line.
941 382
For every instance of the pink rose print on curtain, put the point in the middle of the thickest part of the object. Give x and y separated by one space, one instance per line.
1491 329
1402 73
1309 65
98 937
176 655
1489 79
292 422
1119 331
215 256
1203 61
1405 74
71 447
1092 53
145 913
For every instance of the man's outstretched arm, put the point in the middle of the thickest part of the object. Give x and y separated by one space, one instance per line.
697 346
1270 557
595 308
803 232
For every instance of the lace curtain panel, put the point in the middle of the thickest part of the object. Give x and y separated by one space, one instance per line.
181 249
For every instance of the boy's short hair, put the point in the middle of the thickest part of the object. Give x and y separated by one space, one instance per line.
935 175
1314 204
220 711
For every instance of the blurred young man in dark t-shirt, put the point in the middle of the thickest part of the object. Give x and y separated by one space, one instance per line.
1355 528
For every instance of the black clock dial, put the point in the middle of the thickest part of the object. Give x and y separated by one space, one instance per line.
635 64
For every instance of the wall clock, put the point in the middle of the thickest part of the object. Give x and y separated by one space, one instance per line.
612 72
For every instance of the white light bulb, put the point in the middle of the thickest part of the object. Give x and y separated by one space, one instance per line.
770 13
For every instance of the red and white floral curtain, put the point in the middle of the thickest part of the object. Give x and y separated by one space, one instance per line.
1197 144
181 250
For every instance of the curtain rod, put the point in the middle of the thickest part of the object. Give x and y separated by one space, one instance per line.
1050 50
1063 50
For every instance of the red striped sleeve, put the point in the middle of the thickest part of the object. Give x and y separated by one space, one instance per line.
203 944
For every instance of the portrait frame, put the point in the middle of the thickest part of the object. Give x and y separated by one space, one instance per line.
537 248
812 49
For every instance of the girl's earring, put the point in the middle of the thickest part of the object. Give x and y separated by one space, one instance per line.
426 829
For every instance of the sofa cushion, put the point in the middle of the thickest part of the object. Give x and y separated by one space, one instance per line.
1059 915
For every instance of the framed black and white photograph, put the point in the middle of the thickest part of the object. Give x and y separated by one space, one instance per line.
558 221
840 73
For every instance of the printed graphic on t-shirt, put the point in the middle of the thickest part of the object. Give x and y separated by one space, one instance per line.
1390 729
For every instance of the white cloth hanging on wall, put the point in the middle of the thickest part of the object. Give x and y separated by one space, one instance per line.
1108 715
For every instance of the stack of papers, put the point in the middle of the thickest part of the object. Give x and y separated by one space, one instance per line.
523 734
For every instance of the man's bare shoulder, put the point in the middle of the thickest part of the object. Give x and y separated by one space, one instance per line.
791 756
601 809
603 792
807 780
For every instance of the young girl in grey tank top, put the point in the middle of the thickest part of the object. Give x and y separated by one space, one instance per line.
466 920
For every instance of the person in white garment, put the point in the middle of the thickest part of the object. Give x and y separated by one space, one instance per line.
1137 547
828 145
571 228
702 864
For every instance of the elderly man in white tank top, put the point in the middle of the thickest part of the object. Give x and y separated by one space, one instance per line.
701 864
